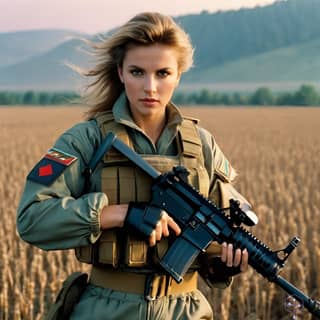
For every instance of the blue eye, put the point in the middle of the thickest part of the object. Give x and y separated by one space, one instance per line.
163 73
136 72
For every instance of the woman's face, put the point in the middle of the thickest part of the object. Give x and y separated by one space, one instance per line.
150 75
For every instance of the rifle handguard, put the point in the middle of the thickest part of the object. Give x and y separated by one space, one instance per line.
143 217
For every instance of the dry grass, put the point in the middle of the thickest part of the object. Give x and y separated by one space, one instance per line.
274 150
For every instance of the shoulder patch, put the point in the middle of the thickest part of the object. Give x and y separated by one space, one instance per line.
51 166
225 171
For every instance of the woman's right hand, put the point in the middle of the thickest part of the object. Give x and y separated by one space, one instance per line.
162 229
115 215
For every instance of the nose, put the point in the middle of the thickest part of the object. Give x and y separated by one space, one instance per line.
150 84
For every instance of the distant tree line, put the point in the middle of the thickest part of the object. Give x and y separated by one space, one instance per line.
306 95
37 98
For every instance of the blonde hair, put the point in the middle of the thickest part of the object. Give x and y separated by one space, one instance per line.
143 29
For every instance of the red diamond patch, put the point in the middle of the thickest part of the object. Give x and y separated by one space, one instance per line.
45 171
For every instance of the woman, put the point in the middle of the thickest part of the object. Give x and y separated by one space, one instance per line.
138 69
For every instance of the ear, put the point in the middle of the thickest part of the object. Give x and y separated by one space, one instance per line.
120 73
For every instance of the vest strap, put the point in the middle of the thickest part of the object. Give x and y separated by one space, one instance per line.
190 140
106 124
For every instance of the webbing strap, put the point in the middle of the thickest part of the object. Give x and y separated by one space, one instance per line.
106 124
190 140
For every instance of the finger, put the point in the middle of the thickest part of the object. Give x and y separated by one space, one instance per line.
174 226
237 258
244 260
224 252
230 255
158 231
152 239
164 221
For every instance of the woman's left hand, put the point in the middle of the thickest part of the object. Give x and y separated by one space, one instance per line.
234 258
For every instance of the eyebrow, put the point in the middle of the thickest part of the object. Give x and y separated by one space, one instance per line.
133 66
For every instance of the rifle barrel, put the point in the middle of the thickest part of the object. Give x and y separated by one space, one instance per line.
313 306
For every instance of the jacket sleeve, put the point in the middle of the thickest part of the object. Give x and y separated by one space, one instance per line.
60 216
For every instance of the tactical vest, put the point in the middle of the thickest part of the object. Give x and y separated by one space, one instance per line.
123 182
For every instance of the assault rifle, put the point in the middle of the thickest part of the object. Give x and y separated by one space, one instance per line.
202 222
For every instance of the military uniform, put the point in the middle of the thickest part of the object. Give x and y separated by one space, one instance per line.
56 213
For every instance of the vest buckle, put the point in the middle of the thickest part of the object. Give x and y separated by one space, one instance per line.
148 288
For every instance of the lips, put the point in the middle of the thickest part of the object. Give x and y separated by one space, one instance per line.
149 100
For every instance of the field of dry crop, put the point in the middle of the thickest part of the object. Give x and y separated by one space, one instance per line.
276 154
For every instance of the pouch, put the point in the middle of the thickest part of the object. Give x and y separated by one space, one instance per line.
68 296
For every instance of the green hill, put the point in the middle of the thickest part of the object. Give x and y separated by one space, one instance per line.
16 47
292 64
48 71
227 36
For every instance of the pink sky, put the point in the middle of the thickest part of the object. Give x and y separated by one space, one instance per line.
93 16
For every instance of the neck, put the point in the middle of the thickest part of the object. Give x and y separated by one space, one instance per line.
152 127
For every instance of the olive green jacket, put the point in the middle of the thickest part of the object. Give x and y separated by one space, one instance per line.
61 216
